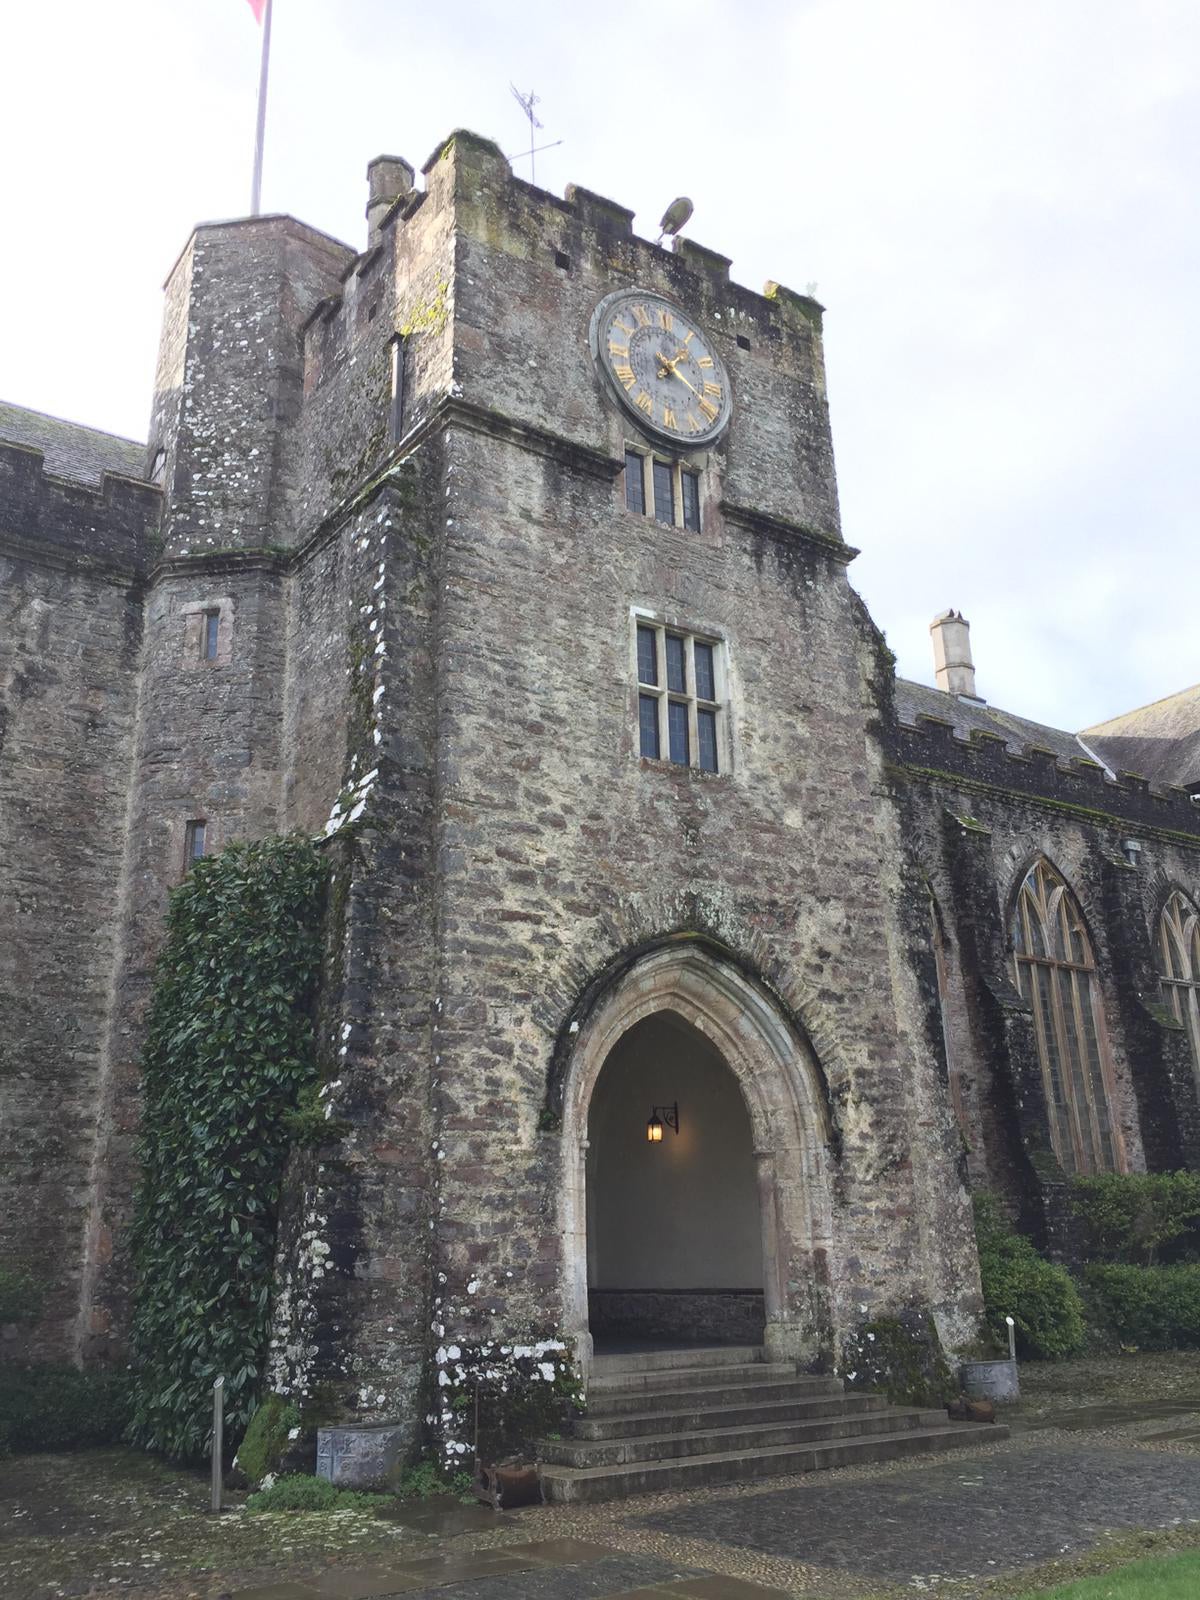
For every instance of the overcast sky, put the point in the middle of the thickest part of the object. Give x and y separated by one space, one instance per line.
996 203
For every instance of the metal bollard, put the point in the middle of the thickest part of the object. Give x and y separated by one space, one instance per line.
1012 1340
218 1431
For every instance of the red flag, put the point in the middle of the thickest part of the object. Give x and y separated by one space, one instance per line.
258 7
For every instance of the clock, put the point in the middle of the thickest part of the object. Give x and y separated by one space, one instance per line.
661 367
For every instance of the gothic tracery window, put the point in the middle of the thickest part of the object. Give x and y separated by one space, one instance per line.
1056 973
1179 965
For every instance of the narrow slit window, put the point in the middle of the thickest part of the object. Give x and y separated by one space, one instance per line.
635 482
664 492
194 841
676 664
647 644
648 725
677 729
210 635
706 739
706 678
689 483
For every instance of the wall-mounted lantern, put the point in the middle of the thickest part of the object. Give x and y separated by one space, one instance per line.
660 1116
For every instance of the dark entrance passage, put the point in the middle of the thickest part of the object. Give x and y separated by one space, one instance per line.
673 1226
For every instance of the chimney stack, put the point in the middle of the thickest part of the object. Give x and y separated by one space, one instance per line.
952 654
388 177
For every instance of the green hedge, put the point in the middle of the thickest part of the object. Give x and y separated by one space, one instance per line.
1135 1216
1153 1308
1039 1296
229 1051
61 1408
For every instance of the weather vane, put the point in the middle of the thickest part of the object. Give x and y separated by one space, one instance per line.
527 103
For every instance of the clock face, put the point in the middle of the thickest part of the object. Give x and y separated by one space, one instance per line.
661 367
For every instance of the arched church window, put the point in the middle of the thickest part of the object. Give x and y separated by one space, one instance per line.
1056 973
1179 965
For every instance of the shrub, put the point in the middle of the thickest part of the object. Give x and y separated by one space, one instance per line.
20 1295
1017 1282
61 1408
1154 1308
229 1048
298 1492
1133 1216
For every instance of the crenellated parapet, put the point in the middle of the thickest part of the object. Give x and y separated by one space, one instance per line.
932 748
107 526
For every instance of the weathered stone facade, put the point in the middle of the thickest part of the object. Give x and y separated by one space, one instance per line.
426 584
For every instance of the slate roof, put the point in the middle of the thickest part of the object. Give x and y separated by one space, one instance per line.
1160 741
966 716
71 450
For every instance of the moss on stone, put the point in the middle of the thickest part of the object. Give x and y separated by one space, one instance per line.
266 1438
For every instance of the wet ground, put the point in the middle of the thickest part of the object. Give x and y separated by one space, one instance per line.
1103 1465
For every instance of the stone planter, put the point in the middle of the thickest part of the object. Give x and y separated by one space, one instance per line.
359 1456
991 1380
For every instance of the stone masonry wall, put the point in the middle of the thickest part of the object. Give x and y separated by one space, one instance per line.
975 839
72 560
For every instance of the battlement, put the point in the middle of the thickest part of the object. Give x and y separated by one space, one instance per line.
111 523
468 170
931 746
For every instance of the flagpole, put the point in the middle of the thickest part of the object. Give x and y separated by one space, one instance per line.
261 130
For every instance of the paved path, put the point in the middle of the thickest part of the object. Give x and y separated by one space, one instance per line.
951 1523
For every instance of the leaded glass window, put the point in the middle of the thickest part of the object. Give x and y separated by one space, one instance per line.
1179 966
664 490
680 712
1055 972
635 481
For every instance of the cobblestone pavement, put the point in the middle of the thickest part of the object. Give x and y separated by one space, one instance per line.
960 1525
1065 1496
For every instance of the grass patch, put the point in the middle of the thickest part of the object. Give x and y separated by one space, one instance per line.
1161 1578
300 1492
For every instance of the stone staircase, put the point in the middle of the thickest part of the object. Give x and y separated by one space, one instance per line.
680 1419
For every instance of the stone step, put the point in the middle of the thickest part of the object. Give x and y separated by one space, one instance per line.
622 1424
681 1377
561 1483
716 1355
609 1402
629 1450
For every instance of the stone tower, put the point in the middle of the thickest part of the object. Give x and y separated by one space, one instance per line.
412 549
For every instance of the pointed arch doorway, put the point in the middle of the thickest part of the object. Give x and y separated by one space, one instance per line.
674 1235
740 1067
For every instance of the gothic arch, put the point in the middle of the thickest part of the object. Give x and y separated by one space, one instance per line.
789 1118
1055 972
1177 957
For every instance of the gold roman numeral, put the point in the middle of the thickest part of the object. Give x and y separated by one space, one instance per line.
617 349
693 425
669 418
713 389
626 377
704 361
689 336
664 319
709 410
646 404
641 316
624 327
